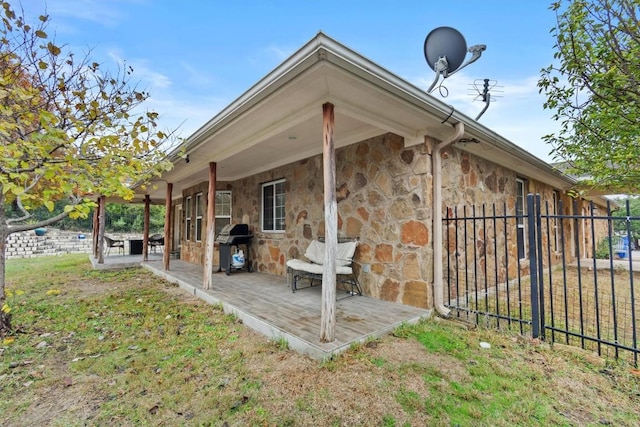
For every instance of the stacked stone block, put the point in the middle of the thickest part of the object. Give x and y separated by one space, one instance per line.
55 242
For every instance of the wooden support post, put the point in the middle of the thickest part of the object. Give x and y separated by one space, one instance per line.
328 313
167 227
145 229
102 220
207 282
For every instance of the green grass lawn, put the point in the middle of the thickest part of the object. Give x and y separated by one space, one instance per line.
127 348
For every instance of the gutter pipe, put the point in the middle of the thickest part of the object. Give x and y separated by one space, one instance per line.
438 285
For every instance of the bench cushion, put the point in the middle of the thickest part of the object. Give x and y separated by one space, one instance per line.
344 252
315 252
307 267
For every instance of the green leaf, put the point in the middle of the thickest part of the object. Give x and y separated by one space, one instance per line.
53 49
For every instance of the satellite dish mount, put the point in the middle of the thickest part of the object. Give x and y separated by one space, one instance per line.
445 49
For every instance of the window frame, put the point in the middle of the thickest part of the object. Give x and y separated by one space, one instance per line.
218 218
556 221
198 213
187 218
521 211
278 183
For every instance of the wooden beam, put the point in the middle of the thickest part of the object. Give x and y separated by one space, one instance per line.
328 312
145 229
207 282
102 220
167 227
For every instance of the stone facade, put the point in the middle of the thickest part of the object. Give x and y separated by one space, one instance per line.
476 188
192 250
383 192
384 195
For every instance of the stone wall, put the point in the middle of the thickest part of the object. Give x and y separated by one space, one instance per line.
192 250
473 187
384 199
27 244
55 242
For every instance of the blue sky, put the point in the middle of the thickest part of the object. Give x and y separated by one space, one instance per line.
195 57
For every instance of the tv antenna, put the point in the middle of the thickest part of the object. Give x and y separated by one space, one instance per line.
445 50
483 90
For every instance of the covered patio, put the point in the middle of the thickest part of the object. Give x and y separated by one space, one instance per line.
266 304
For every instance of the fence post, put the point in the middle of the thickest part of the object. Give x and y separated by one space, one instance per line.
533 264
540 275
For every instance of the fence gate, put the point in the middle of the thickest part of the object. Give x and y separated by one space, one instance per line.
563 274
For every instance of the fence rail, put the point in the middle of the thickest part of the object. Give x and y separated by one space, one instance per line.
566 278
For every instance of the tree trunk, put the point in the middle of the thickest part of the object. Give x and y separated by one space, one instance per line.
101 225
95 233
145 229
5 318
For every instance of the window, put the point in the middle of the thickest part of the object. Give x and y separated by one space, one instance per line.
223 210
176 217
520 218
585 231
273 206
198 210
556 221
187 219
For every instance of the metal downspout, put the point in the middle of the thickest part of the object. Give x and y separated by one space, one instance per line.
438 285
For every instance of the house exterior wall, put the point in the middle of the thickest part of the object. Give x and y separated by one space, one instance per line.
382 201
476 188
192 250
384 194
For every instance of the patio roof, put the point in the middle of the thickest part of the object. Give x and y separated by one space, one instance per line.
279 121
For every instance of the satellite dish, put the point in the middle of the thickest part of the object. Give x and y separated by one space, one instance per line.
445 44
445 49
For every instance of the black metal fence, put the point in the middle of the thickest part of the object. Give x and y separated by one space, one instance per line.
566 278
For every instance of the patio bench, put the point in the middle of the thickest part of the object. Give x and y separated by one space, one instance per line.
311 268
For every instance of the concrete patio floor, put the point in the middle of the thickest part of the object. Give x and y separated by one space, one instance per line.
118 262
266 304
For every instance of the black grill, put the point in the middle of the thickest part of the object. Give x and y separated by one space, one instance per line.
234 235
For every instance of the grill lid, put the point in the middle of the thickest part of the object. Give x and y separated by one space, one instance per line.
235 230
234 234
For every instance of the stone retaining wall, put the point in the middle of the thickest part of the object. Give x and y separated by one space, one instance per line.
55 242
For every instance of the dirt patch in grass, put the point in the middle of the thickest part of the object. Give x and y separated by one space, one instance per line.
128 348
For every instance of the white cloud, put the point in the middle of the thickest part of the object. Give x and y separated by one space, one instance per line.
147 78
106 13
184 114
194 76
279 53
